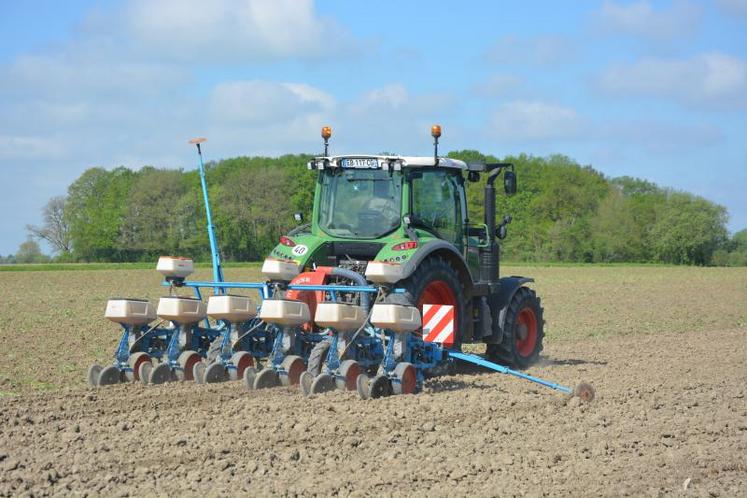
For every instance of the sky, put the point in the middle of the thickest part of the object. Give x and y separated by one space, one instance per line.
655 90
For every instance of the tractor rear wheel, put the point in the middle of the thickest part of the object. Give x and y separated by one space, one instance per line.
523 331
436 281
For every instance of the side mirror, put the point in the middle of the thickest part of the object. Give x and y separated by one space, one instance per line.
298 217
473 176
509 182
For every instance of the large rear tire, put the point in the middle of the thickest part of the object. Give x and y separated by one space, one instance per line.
436 281
523 331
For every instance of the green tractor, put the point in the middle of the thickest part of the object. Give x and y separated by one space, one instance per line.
401 223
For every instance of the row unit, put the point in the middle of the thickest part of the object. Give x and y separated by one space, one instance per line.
284 312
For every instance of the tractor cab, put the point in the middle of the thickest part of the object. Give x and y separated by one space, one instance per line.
401 222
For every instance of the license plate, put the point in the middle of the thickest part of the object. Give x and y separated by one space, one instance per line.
360 162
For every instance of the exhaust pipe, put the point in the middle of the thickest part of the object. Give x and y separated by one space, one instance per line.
489 256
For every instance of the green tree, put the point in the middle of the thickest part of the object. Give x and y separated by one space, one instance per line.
688 230
30 252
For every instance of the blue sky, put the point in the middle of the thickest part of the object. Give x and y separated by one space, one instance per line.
656 90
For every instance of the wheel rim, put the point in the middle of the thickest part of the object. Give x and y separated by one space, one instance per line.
526 332
437 292
242 360
350 370
187 361
408 379
294 367
139 360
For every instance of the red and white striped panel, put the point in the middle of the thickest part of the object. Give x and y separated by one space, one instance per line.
438 323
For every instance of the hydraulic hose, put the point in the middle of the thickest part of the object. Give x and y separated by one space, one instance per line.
358 279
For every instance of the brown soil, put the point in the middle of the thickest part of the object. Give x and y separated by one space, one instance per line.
670 418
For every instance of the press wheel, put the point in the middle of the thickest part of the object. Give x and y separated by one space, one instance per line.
362 385
144 372
305 381
407 379
161 374
215 373
135 361
323 383
380 386
187 361
198 372
349 372
294 367
93 374
266 378
249 375
109 375
241 360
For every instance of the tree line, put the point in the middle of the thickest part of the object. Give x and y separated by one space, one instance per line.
563 211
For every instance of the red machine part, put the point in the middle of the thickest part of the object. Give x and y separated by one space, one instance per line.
316 277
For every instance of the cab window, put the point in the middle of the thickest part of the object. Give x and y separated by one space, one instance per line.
435 200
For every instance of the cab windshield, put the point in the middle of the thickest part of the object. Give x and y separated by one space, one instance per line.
360 203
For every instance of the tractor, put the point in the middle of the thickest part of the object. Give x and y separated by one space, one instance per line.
402 223
383 287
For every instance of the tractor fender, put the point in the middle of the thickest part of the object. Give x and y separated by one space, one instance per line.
508 286
447 251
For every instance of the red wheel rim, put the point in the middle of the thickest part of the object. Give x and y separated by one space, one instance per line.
351 376
408 380
189 364
295 369
136 367
243 362
526 332
437 292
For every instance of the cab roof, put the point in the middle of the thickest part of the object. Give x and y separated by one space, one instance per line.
385 162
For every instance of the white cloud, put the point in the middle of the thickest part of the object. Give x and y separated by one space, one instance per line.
542 49
220 30
640 19
534 120
712 79
264 102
